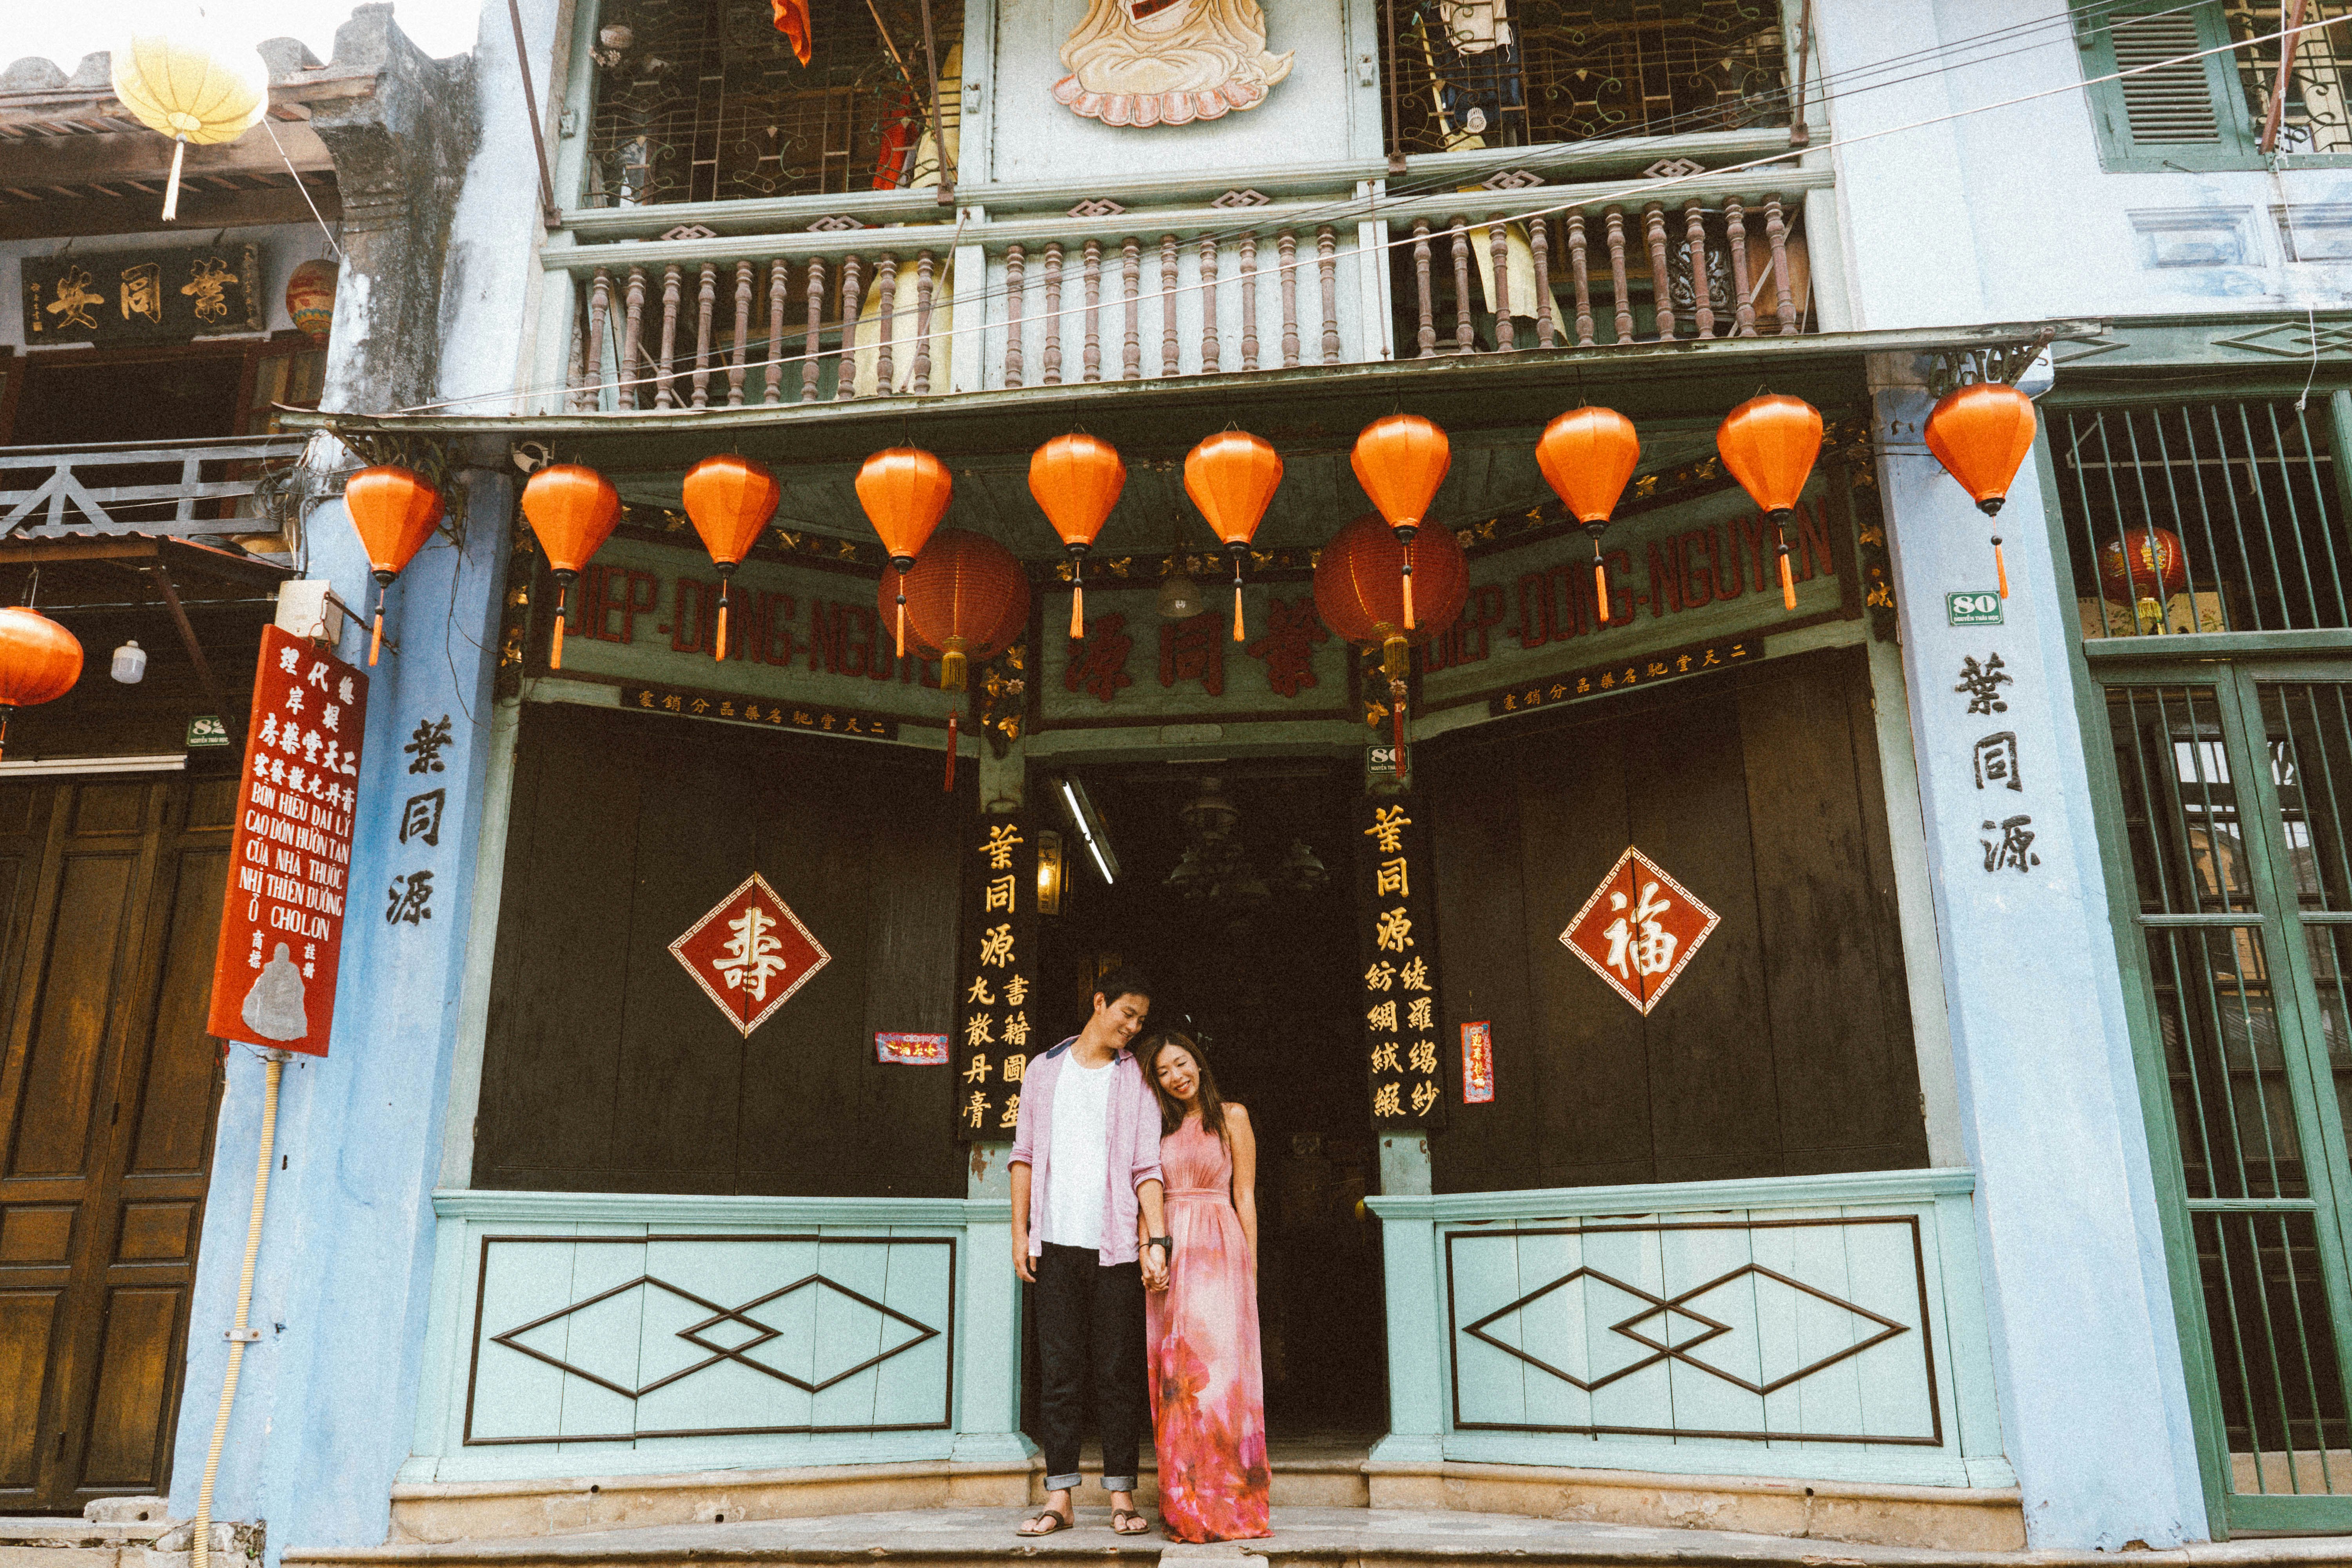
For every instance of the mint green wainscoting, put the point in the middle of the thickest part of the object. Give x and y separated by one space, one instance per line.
610 1334
1821 1326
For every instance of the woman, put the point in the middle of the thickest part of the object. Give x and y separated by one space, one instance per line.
1208 1400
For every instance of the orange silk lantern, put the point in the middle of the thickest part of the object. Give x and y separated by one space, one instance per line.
40 661
1077 480
1231 477
395 510
571 509
968 597
905 493
1587 455
1982 434
1360 593
1769 443
1401 461
730 500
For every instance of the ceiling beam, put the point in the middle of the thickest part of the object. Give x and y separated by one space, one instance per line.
94 160
200 210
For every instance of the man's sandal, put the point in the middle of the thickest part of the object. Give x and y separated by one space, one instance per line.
1061 1522
1119 1517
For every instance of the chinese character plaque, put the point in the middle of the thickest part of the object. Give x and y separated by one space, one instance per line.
1396 903
996 978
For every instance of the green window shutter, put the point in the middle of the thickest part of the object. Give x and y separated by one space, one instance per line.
2185 114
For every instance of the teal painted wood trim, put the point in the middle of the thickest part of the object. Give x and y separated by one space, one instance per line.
2236 146
1796 1462
684 1456
1968 1341
1676 1197
717 1212
1416 1319
2104 651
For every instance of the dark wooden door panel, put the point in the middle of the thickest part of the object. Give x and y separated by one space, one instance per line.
175 1107
28 1323
124 1452
53 1133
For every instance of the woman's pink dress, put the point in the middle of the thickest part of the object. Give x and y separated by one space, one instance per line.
1208 1395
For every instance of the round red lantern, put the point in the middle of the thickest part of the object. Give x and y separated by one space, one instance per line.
905 493
966 598
394 510
1231 478
1077 480
1401 461
40 661
1359 592
1769 443
2144 564
728 499
311 298
571 509
1981 435
1587 455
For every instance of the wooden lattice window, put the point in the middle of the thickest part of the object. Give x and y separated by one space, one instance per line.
2193 102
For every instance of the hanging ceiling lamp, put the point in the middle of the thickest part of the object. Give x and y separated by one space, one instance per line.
1982 434
1360 588
1231 477
572 508
189 85
1769 443
1077 480
905 493
1587 455
730 500
39 660
1401 461
966 598
394 510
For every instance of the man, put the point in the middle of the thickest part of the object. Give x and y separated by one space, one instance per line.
1084 1159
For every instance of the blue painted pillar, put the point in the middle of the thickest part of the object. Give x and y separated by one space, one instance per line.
324 1408
2093 1409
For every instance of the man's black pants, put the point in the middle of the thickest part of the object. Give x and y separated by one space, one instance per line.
1090 1316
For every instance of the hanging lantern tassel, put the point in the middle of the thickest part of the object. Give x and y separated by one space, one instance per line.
1780 543
902 564
721 655
1396 719
948 787
375 642
6 710
951 665
1078 598
562 601
172 188
1238 633
1404 537
2000 566
1599 581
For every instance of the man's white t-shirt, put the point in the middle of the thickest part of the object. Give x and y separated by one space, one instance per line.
1078 1162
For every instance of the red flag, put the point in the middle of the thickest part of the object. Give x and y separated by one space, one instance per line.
792 22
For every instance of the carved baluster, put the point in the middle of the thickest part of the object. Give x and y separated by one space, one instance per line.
1662 280
1288 241
575 365
1735 229
1015 297
885 316
1249 301
1465 337
1499 256
1580 269
1776 234
1702 286
1327 264
633 340
743 333
780 288
920 380
1539 231
704 300
1053 377
665 381
1212 348
1090 355
1130 278
1428 335
845 375
600 316
815 340
1167 352
1623 289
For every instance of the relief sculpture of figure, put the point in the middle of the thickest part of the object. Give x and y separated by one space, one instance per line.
273 1008
1168 62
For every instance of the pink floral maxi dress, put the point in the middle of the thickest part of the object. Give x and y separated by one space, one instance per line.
1208 1398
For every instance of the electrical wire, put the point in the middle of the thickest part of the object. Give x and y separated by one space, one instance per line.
1369 207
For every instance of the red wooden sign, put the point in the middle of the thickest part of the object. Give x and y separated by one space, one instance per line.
281 934
1639 928
749 953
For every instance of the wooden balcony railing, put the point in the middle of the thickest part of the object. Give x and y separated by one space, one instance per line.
182 488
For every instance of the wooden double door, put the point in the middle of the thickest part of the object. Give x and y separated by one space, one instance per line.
110 904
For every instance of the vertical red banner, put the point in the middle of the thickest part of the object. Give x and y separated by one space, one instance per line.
281 934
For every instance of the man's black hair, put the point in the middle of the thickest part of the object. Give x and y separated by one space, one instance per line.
1125 981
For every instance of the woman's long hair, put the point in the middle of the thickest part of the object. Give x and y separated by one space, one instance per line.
1172 1111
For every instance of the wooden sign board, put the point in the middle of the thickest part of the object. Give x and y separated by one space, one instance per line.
996 978
281 932
142 296
1396 900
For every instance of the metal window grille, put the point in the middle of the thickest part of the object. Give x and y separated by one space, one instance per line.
1515 73
2242 495
2316 118
701 100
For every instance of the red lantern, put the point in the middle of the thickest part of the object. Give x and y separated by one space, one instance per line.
967 597
40 661
1982 434
1360 593
1587 455
1077 480
1401 461
1232 477
730 500
572 510
311 298
1768 444
395 510
905 493
2145 564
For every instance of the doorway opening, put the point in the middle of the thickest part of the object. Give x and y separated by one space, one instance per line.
1229 889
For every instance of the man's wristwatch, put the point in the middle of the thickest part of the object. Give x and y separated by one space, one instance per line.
1166 1247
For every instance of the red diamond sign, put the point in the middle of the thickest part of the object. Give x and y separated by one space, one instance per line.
751 953
1639 930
